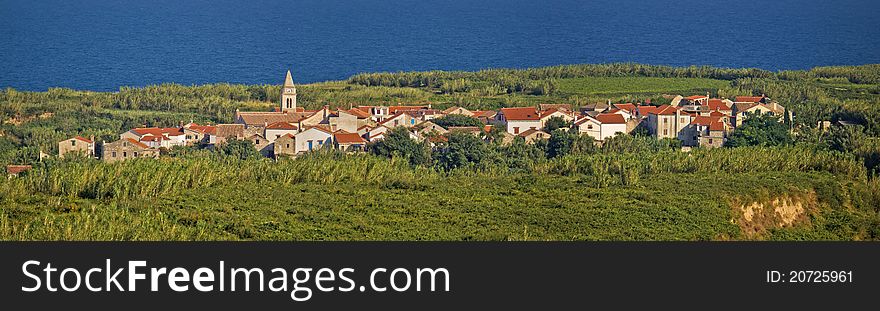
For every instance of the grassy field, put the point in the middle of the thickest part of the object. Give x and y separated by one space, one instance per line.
504 208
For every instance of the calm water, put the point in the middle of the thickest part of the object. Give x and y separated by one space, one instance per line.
100 45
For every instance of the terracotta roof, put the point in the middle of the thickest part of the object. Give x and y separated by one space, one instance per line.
749 99
359 113
485 113
644 110
548 112
229 130
704 120
15 169
207 129
438 139
137 143
718 104
288 135
743 106
348 138
696 97
281 126
153 138
665 110
158 131
716 126
628 107
82 139
611 118
521 113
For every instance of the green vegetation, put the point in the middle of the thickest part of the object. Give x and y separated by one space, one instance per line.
565 188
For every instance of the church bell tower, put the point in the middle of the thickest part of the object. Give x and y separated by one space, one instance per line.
288 94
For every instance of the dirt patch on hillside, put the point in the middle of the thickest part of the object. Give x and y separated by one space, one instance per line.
756 217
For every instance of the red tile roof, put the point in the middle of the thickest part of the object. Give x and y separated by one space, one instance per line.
484 113
717 104
665 110
645 110
521 113
15 169
628 107
82 139
207 129
716 126
281 126
137 143
158 131
696 97
610 118
357 113
341 137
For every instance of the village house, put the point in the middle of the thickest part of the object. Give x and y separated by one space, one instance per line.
520 119
602 126
284 146
157 137
263 145
487 116
226 132
706 131
667 122
127 148
312 138
533 135
428 128
77 145
350 120
275 130
198 134
546 115
349 142
472 130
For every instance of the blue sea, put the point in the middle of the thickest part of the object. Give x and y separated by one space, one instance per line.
103 44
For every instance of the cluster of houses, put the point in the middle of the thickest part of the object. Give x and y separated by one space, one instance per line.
290 130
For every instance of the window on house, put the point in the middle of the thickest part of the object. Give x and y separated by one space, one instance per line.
516 129
113 154
320 143
73 142
287 146
256 141
665 132
412 121
665 120
396 122
124 154
135 154
589 126
682 120
710 141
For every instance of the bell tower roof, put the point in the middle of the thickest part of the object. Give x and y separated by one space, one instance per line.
288 81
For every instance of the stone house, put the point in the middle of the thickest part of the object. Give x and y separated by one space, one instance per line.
278 129
533 135
667 122
284 146
127 148
78 145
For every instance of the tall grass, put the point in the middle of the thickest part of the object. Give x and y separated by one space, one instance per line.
148 178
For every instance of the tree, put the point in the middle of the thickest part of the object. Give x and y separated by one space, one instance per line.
760 130
398 143
564 142
463 150
555 123
240 149
457 120
847 138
